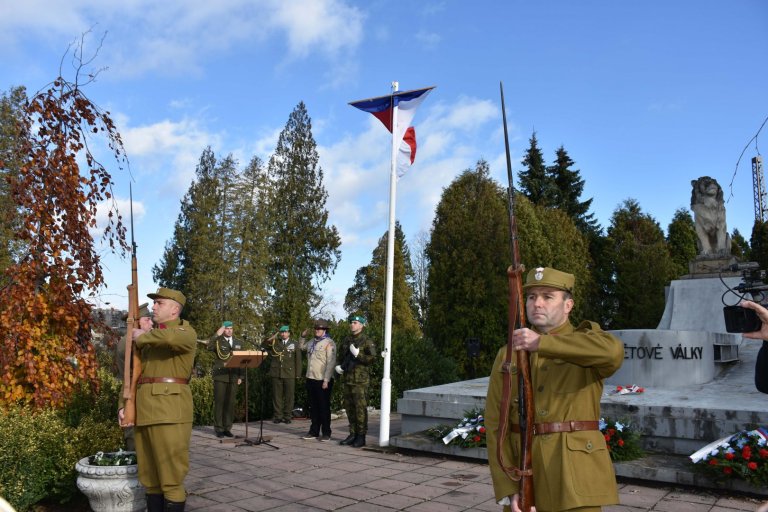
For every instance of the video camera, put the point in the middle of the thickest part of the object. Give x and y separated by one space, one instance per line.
737 318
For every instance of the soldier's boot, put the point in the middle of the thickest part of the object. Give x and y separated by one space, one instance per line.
155 503
349 439
359 441
174 506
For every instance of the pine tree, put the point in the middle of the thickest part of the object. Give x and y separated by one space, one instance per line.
681 237
368 294
642 267
535 182
740 247
759 243
304 249
568 189
11 115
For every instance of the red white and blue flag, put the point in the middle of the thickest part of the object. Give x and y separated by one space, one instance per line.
382 108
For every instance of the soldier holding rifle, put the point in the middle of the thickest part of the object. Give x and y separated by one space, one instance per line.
572 468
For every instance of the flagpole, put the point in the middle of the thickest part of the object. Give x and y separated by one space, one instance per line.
386 382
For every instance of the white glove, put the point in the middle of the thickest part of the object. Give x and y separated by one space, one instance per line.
338 369
504 501
354 350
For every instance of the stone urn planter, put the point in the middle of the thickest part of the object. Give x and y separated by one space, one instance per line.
110 488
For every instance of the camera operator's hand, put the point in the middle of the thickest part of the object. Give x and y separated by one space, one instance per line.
762 314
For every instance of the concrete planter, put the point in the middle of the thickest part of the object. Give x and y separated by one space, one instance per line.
111 488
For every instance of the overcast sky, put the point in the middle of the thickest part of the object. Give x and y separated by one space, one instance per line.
645 97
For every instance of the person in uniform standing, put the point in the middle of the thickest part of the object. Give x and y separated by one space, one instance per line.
358 354
145 324
321 358
225 380
163 402
284 369
572 467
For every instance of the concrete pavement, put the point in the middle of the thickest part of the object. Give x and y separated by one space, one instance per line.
309 475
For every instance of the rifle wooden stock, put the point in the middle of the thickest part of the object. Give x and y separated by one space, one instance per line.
132 361
516 320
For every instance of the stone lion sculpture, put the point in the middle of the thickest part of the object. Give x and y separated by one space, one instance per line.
709 216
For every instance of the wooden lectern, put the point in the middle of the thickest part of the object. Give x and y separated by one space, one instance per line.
247 359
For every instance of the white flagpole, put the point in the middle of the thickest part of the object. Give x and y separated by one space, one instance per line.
386 382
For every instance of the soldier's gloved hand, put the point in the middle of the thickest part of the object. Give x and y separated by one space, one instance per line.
338 369
354 350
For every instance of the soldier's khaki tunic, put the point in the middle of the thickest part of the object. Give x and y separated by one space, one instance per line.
164 410
570 469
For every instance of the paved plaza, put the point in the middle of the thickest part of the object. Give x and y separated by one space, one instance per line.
309 475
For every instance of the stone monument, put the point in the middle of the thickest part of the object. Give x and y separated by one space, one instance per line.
713 241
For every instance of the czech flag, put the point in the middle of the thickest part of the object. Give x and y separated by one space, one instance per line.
406 102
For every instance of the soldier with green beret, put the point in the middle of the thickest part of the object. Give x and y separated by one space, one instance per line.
144 323
164 402
572 467
358 353
225 380
284 369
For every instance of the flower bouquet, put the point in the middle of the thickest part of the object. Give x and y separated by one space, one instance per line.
468 433
118 458
622 439
742 455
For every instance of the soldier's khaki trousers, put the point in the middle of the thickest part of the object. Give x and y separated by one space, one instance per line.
162 453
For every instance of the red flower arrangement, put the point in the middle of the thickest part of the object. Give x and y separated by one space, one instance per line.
468 433
743 455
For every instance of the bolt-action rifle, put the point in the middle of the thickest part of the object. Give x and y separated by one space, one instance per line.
524 473
132 361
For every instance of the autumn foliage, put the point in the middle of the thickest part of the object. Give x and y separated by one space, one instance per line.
45 319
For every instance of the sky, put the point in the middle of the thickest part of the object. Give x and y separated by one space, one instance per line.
645 97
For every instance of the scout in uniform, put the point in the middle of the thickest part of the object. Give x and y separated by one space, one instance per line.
225 380
358 353
321 358
572 468
164 402
284 368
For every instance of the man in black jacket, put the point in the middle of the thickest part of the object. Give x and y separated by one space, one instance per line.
761 367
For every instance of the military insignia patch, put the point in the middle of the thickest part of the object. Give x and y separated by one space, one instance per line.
539 274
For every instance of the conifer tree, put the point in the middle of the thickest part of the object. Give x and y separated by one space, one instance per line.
304 248
681 237
568 189
11 115
368 293
535 181
740 247
642 267
759 244
467 283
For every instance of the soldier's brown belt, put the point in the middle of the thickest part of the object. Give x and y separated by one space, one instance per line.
168 380
561 426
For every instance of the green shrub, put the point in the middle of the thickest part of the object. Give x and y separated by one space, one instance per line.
202 399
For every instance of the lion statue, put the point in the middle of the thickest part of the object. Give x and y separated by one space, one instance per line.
709 215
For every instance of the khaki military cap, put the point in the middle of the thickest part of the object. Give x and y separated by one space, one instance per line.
545 276
143 312
167 293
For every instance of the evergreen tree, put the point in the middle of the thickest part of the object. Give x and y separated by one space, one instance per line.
759 243
421 273
568 189
467 283
369 291
304 249
681 238
247 250
195 260
642 267
740 247
11 137
536 183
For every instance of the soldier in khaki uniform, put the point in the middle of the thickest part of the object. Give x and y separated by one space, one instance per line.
225 380
572 468
358 353
284 368
164 402
145 324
